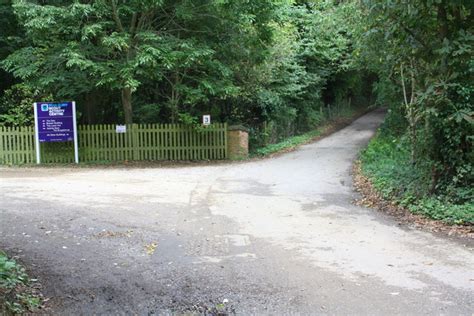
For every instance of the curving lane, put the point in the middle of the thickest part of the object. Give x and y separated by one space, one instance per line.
275 236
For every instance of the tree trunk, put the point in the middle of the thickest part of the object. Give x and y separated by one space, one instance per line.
175 97
127 105
90 109
442 20
410 111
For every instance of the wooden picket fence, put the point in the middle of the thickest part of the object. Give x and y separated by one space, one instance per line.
101 143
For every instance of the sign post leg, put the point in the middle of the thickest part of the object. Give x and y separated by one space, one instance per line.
76 147
37 143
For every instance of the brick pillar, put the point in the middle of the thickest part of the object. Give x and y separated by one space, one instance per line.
237 142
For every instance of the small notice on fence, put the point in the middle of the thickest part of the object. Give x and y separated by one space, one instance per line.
121 128
206 120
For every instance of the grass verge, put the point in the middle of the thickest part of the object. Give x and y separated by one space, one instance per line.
18 294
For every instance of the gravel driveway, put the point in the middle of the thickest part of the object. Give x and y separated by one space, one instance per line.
274 236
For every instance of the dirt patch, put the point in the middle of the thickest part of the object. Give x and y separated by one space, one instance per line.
372 199
111 234
210 308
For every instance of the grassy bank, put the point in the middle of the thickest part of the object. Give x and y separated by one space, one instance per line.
17 296
386 162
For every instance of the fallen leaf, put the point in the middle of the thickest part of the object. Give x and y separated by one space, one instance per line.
150 248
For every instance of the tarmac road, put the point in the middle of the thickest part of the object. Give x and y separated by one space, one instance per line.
274 236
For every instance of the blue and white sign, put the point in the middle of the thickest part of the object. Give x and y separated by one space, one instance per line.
55 122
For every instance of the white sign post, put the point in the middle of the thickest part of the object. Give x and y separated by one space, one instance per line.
55 122
37 143
76 144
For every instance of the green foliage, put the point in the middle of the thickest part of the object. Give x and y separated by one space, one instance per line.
243 62
17 105
11 36
424 154
169 47
426 74
286 143
14 298
11 274
187 119
311 73
386 161
442 210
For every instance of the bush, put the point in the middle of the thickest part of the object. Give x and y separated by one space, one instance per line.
16 105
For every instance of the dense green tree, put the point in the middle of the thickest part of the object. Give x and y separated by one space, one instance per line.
427 56
245 61
121 45
11 35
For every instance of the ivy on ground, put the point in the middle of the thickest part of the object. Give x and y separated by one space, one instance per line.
17 295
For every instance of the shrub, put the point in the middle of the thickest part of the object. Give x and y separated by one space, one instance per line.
386 162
